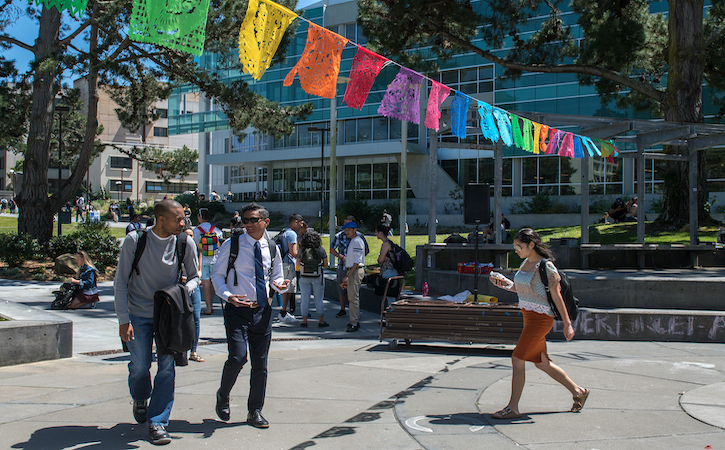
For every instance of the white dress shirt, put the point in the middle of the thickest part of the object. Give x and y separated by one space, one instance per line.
245 266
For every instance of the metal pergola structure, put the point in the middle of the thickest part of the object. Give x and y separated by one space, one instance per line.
645 134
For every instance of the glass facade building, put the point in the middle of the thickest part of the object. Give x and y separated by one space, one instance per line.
369 145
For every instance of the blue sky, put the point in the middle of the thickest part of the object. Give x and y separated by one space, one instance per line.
26 30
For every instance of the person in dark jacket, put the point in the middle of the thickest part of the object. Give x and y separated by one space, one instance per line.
87 291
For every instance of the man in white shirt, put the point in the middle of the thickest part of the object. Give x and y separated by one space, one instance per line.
245 293
355 265
208 254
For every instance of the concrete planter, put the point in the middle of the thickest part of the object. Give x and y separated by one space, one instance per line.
32 334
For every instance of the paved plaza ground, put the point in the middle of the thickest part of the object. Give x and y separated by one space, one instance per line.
330 390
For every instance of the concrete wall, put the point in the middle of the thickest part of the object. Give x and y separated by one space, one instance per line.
32 334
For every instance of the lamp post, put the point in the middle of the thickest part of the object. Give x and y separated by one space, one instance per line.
60 110
118 190
123 187
322 170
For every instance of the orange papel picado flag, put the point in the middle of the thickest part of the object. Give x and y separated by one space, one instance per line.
260 35
320 63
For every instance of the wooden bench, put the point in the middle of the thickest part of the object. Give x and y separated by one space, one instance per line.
693 251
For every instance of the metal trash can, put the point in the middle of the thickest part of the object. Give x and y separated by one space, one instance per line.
721 236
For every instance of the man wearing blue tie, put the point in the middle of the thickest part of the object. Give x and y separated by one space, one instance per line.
244 289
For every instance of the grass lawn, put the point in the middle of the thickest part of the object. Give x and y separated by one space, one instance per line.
10 225
598 233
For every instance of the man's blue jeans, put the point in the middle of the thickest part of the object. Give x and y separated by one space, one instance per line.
139 372
196 301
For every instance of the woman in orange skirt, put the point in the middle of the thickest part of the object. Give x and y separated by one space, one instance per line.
538 320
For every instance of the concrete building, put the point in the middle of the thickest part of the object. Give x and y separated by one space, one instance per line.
123 177
369 145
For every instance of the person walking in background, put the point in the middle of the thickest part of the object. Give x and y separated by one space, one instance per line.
208 239
87 291
158 267
538 320
355 265
338 248
134 224
289 252
312 257
245 291
301 232
387 221
196 303
387 270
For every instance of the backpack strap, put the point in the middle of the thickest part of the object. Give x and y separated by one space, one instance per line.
272 253
140 246
180 251
234 252
544 275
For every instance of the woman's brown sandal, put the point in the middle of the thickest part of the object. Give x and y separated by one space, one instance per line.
505 413
579 401
195 357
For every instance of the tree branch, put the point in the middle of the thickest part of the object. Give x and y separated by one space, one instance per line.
635 85
67 40
10 40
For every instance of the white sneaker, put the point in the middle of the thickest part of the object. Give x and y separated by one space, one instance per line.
289 318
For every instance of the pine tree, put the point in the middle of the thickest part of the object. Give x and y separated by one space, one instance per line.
650 61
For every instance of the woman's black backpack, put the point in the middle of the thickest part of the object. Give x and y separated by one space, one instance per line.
571 302
64 296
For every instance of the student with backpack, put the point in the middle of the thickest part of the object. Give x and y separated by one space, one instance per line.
538 319
245 285
312 257
288 248
385 259
151 261
209 239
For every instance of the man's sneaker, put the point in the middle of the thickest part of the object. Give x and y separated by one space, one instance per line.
351 328
158 435
289 318
341 313
139 411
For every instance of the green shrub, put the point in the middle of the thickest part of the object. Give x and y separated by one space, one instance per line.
39 277
15 249
94 238
600 205
216 209
542 204
9 272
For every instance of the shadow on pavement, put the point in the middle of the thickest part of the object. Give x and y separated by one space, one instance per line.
121 436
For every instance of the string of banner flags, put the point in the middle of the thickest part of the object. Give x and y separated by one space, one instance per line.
181 26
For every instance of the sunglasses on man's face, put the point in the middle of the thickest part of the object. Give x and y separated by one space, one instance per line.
246 220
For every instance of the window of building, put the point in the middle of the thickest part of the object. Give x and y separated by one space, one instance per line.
120 185
121 162
157 187
163 113
161 132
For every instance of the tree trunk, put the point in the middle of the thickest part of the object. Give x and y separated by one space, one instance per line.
683 103
36 208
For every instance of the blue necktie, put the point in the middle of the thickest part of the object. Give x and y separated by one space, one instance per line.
259 277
